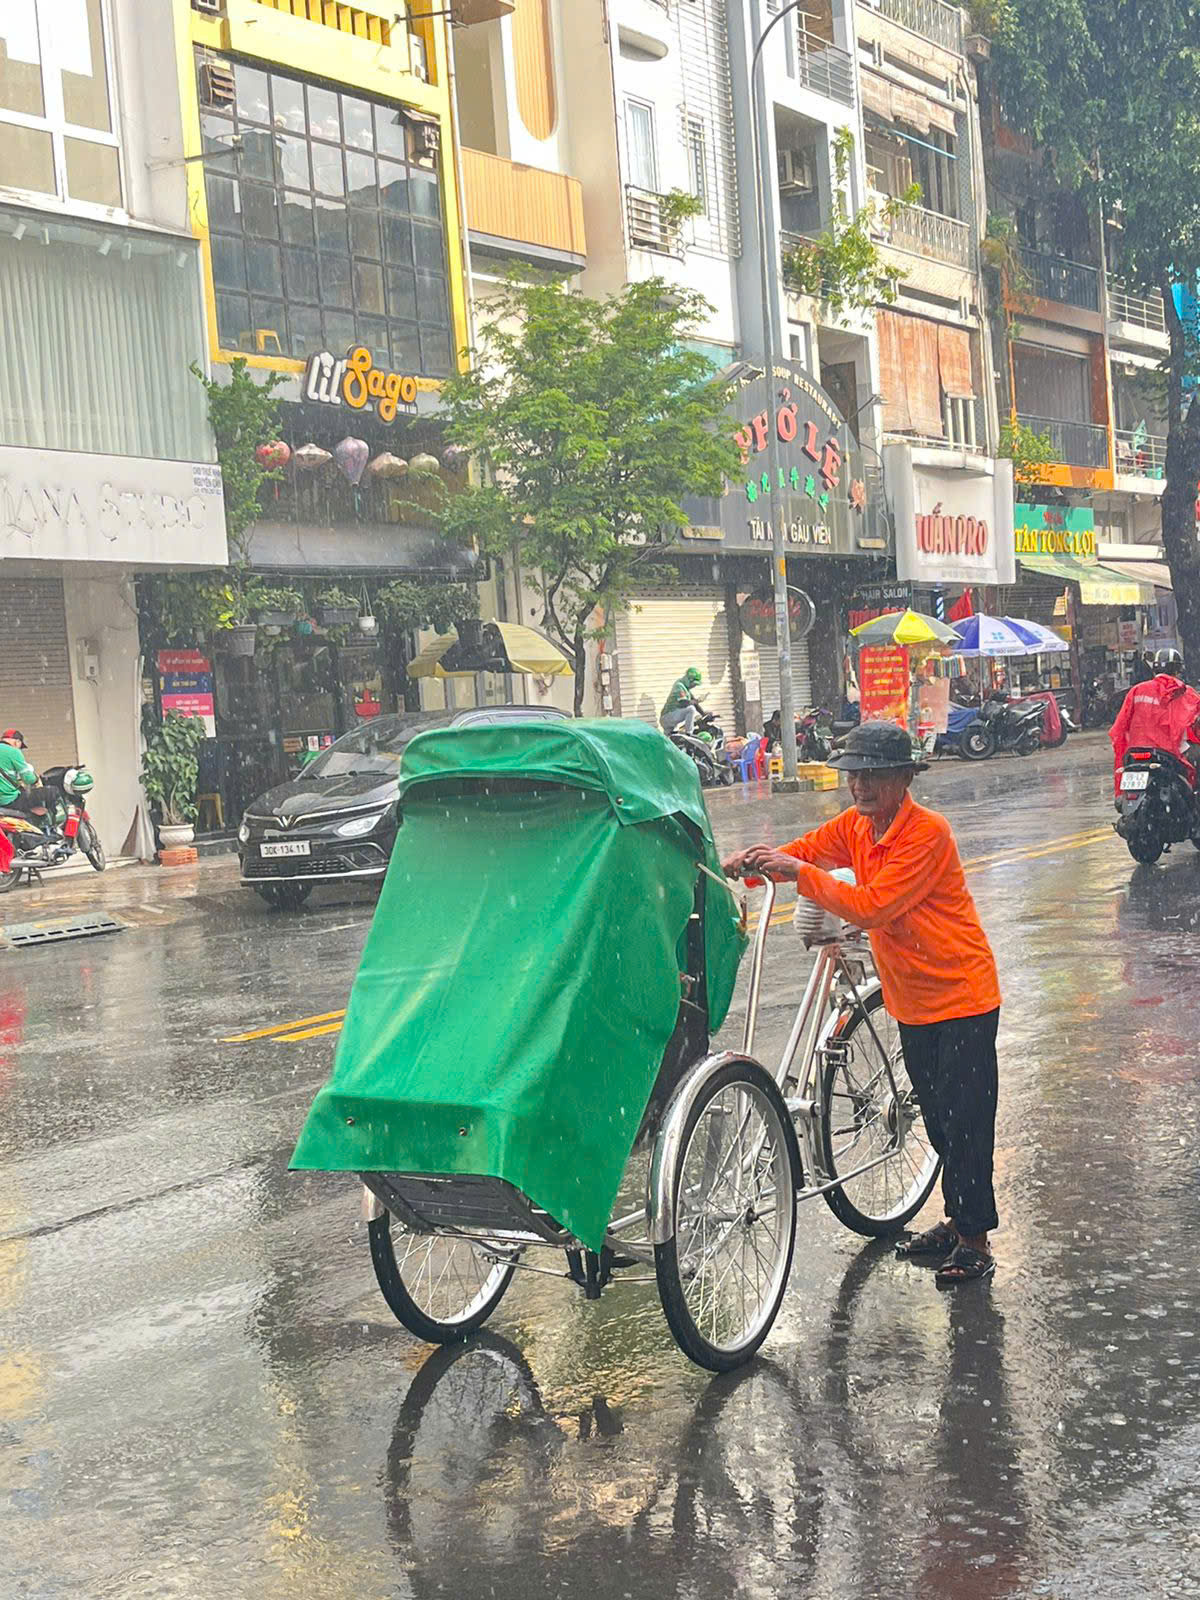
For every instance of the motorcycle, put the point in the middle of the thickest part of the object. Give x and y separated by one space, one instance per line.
1001 726
815 735
1158 803
51 841
705 745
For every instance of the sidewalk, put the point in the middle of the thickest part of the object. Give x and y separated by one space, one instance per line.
132 891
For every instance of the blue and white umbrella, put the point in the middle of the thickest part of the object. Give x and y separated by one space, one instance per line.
1007 636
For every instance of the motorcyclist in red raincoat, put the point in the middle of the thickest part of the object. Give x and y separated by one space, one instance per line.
1163 713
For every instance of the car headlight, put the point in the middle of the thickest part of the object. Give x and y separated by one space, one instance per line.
357 826
243 832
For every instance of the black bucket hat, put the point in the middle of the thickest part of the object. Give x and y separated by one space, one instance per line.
877 747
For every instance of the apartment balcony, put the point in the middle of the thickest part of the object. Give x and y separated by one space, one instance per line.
1140 454
1075 444
824 68
648 227
1067 283
928 233
524 211
932 19
1136 318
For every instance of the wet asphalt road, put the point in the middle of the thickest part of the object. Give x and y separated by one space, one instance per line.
202 1393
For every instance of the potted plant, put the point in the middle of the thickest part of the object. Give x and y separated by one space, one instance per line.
275 607
170 775
336 608
674 210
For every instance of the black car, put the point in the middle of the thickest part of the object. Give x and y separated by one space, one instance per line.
337 818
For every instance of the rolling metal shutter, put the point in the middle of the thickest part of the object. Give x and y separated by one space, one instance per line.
35 669
768 674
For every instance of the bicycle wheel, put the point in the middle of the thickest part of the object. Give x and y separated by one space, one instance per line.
864 1120
722 1275
89 843
440 1286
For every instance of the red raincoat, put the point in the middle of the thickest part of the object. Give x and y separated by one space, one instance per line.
6 851
1161 713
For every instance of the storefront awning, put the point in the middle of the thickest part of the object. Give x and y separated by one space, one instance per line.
1098 586
366 547
1156 572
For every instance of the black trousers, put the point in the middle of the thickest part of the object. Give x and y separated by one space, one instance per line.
953 1069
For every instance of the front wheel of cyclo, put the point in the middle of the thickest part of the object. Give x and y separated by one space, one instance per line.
723 1273
440 1286
870 1119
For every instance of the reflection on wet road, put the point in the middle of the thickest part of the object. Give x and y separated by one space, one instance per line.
201 1392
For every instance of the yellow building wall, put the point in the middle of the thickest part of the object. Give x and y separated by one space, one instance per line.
354 46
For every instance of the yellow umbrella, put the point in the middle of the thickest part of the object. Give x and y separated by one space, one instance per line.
428 663
904 627
530 651
504 647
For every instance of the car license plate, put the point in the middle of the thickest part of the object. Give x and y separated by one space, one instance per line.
286 847
1134 780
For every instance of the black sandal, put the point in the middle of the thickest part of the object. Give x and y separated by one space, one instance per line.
965 1265
937 1241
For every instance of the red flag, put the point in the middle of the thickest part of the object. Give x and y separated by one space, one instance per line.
961 609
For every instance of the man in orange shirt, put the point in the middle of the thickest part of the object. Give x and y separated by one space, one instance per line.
935 965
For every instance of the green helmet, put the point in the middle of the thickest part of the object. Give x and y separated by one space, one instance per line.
692 675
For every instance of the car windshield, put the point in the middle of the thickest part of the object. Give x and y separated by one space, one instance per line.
372 750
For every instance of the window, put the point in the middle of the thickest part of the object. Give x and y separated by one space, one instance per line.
643 154
697 153
326 228
56 124
897 160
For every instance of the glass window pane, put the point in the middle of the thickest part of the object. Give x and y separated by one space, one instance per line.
406 347
339 330
401 293
297 214
324 119
287 101
291 158
223 206
427 247
327 169
306 330
331 226
368 287
252 104
228 262
300 274
435 352
93 172
257 159
433 298
397 240
259 212
423 193
233 320
269 320
26 159
364 234
393 186
263 271
356 119
79 49
335 280
216 134
390 130
360 180
372 331
20 70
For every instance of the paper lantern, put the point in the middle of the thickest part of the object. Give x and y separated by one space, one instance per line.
351 456
275 454
454 457
310 456
423 465
386 465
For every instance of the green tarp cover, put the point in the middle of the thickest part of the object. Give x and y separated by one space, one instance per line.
521 977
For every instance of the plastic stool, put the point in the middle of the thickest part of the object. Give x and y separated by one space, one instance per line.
775 767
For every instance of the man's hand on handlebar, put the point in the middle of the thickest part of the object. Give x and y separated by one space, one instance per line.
761 861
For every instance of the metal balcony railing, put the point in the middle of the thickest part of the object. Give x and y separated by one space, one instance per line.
1141 311
932 19
1141 454
928 233
647 227
1075 444
1070 283
824 68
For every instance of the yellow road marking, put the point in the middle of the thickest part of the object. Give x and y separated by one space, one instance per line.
283 1027
308 1033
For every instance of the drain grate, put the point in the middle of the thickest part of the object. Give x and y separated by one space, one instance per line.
23 935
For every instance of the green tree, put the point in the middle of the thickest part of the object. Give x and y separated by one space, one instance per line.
1109 88
588 421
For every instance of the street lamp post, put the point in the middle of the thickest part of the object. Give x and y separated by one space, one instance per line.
769 268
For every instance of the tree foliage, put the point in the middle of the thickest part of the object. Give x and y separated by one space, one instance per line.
1110 90
171 768
1026 448
588 422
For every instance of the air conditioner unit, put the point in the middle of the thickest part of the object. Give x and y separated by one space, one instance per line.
216 84
796 171
426 138
417 57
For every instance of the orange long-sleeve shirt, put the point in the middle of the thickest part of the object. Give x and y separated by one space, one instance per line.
932 955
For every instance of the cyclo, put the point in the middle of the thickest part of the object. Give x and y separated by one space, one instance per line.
528 1040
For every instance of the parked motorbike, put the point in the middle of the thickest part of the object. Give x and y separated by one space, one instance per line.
705 745
1158 802
39 842
1002 726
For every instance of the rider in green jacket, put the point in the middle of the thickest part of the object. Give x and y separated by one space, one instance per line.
681 706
